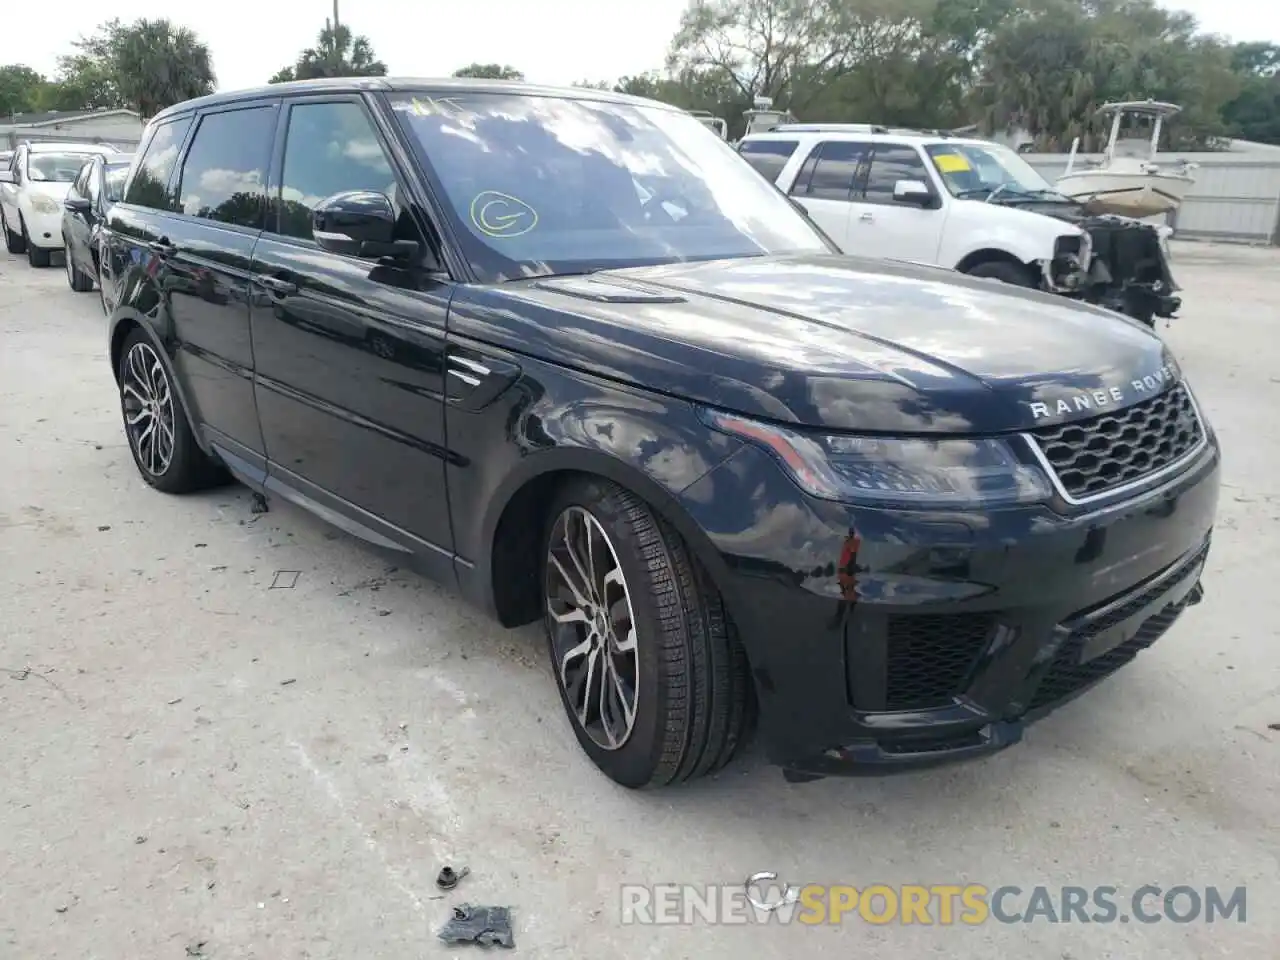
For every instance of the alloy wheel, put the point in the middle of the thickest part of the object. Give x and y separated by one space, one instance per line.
148 409
592 627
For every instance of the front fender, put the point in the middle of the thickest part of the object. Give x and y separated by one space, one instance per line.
555 422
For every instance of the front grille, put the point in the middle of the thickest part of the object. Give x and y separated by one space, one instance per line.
1066 674
1094 456
930 657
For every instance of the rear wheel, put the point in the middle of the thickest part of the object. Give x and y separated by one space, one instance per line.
79 282
159 434
648 665
1004 271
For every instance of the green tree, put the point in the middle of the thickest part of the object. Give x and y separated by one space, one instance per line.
1254 114
21 89
489 71
337 53
146 65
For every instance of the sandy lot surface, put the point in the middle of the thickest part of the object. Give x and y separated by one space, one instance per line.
197 764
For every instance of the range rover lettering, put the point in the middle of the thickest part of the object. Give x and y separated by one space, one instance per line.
566 351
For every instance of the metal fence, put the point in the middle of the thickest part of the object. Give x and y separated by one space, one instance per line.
1236 196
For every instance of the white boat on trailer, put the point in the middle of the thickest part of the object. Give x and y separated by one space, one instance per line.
1126 183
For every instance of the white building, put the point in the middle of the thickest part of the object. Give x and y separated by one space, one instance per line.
121 128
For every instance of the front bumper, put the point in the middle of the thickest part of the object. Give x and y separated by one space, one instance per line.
44 230
890 640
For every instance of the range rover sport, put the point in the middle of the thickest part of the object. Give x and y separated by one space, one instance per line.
566 350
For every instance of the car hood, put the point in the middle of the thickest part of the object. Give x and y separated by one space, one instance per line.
51 189
833 341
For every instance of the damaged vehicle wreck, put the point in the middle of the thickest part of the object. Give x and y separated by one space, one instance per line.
969 205
564 351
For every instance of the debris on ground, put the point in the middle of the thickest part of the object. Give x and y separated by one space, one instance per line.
477 924
102 528
448 877
285 683
139 839
196 949
174 701
1273 726
258 504
285 580
60 909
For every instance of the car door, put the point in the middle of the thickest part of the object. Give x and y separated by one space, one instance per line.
206 244
825 186
894 228
9 190
77 224
350 351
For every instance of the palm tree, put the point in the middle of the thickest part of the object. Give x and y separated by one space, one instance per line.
155 65
337 53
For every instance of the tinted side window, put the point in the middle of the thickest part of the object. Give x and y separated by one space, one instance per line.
224 174
835 170
889 165
149 186
331 148
80 187
768 156
93 184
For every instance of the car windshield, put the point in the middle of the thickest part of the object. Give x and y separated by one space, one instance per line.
544 185
114 177
56 167
978 170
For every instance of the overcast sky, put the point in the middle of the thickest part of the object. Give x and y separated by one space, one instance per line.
552 41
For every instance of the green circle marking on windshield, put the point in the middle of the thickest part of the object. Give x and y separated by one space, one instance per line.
502 215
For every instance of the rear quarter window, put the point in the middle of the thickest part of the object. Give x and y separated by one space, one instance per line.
768 156
150 185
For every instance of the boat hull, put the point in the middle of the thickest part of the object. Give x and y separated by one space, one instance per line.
1125 195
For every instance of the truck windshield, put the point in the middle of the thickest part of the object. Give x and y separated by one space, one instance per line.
977 170
545 185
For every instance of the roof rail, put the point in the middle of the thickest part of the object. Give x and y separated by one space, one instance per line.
829 128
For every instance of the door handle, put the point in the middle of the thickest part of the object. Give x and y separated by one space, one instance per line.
866 218
162 247
281 288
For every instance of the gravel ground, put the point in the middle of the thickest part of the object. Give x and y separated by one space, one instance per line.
197 764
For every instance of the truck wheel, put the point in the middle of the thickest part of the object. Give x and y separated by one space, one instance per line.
648 664
1004 271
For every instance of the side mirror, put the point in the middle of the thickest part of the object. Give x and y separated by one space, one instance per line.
6 176
913 191
77 205
359 223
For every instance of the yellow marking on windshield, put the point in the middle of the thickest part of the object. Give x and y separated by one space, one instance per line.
502 215
951 163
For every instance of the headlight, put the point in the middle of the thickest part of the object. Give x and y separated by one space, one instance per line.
42 204
900 471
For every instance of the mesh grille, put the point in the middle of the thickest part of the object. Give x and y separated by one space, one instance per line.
1067 674
1093 456
930 656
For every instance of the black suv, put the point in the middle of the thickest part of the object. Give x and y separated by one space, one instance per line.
570 352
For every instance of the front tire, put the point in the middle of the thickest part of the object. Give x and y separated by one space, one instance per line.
1011 273
155 423
647 662
13 242
35 256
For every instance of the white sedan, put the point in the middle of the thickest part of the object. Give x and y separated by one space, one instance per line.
31 193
